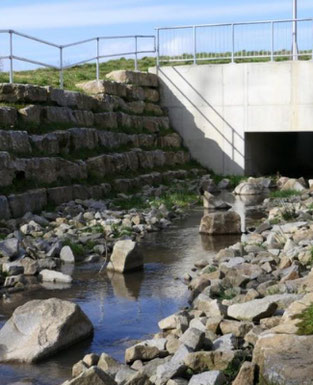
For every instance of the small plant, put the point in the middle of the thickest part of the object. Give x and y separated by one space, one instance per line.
77 249
284 193
305 324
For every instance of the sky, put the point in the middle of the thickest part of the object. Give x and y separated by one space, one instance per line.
65 21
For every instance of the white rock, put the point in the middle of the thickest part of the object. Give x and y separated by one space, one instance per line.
54 276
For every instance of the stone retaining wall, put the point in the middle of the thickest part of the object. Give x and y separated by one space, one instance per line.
74 145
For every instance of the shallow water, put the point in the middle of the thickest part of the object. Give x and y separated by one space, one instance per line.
122 308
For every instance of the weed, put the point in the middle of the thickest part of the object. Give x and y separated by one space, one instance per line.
305 324
77 249
284 193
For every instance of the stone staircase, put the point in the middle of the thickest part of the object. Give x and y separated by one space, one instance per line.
56 146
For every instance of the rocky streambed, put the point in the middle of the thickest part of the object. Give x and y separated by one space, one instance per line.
244 304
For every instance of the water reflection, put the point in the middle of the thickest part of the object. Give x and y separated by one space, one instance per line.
126 285
122 308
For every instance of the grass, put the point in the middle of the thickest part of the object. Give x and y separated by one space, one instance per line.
234 180
85 72
77 249
182 199
74 75
284 193
305 324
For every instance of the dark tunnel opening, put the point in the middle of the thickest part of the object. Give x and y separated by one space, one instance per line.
288 153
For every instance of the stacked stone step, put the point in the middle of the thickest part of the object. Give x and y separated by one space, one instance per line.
44 131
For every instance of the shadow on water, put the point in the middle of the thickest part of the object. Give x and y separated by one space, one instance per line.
122 308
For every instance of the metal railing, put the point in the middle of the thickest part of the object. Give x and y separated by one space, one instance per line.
271 39
61 48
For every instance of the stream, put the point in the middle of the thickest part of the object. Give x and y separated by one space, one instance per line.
123 308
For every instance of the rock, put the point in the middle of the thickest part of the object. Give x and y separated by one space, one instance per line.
30 266
12 268
91 359
54 276
144 351
239 329
92 376
228 222
78 368
193 338
284 359
125 257
66 255
40 328
246 375
210 306
108 364
9 248
246 188
141 79
177 381
213 377
226 342
252 310
293 184
212 360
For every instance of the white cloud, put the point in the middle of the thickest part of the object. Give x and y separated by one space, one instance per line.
95 13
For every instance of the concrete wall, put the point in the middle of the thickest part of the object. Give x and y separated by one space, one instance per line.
213 106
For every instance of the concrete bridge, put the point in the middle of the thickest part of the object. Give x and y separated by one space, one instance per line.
250 118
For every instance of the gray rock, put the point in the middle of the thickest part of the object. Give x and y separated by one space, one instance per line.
41 328
92 376
213 377
54 276
66 255
9 248
228 222
125 257
193 338
252 310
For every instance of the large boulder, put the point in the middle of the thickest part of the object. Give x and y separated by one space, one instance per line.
228 222
125 257
284 359
252 310
40 328
248 188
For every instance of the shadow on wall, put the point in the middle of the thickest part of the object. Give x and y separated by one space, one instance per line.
214 143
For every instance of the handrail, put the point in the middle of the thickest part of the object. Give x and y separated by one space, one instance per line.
229 34
61 67
235 23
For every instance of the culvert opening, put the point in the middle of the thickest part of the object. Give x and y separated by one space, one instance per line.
288 153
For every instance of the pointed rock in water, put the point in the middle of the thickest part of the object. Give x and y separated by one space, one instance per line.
125 257
41 328
228 222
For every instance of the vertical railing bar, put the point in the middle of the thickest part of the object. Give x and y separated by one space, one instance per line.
272 41
233 43
11 57
312 39
194 29
98 60
136 54
61 68
157 51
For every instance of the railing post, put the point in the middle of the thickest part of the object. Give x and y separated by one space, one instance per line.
61 68
272 41
97 62
11 57
136 57
233 43
194 29
158 50
312 40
